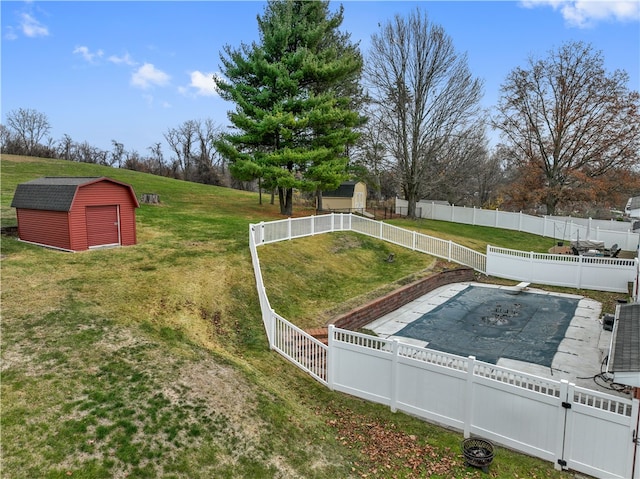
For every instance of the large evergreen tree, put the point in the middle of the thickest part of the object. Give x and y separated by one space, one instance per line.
294 93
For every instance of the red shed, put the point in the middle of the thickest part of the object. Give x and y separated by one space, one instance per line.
76 213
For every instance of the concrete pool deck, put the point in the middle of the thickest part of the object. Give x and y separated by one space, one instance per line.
579 355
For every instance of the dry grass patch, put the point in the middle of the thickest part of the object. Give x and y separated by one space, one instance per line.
305 278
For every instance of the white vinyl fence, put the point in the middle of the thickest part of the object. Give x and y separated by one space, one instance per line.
561 228
575 428
601 274
572 427
572 271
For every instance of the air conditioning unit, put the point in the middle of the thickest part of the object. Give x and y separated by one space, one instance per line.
607 322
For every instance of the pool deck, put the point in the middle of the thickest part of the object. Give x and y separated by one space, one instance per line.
579 356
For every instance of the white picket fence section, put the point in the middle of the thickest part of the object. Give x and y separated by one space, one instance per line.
572 271
597 273
561 228
575 428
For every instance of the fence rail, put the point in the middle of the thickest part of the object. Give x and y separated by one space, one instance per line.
572 271
562 228
603 274
576 428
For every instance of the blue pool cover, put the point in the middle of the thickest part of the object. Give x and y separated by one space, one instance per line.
494 323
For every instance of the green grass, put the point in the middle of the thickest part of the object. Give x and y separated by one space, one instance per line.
151 360
478 237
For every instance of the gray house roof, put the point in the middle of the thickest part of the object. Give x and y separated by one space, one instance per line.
624 357
345 190
634 203
52 193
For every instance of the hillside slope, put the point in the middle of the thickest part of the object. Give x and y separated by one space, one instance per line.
151 360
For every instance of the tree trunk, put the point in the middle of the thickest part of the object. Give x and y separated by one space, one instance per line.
319 200
412 199
285 196
551 202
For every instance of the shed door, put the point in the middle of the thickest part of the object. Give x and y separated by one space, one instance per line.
103 225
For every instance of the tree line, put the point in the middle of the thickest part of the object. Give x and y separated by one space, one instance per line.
310 111
193 157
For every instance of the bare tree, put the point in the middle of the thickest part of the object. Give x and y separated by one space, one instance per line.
66 147
117 154
369 156
29 126
425 93
157 159
488 178
207 132
454 176
193 147
5 139
569 123
181 140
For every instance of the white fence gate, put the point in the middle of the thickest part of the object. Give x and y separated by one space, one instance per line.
576 428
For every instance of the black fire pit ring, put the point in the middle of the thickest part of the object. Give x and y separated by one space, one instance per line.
477 453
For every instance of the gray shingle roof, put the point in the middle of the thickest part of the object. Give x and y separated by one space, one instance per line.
634 204
345 190
625 351
49 193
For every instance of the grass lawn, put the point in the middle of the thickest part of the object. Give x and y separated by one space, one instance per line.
151 361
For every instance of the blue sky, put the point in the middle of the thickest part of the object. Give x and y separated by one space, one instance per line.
129 71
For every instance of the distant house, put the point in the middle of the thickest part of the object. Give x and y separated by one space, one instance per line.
633 207
76 213
350 196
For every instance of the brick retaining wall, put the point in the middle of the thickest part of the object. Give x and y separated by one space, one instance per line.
363 315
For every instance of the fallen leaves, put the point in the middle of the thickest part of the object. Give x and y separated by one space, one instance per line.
389 452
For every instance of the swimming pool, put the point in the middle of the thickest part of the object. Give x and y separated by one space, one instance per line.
494 323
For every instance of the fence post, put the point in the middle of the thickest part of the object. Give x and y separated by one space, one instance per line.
414 240
634 456
313 225
394 374
495 219
473 220
468 402
381 224
561 423
520 221
261 239
330 357
531 263
449 252
289 228
579 272
272 325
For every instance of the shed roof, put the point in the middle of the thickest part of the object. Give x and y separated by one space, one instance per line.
55 193
624 356
345 190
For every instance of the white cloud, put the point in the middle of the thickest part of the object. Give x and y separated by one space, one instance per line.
125 59
10 35
32 27
586 13
203 84
148 75
87 54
